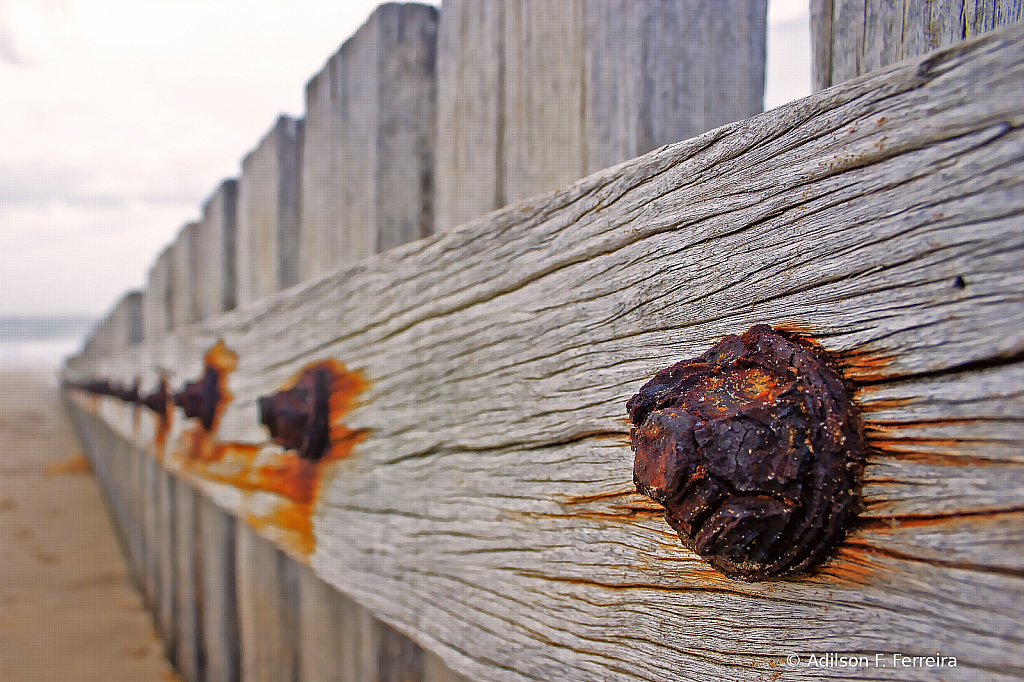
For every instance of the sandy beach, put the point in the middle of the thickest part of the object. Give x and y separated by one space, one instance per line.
68 610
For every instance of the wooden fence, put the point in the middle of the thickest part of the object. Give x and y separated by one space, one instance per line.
475 515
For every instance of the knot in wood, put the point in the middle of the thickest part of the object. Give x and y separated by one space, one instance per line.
199 399
754 449
299 418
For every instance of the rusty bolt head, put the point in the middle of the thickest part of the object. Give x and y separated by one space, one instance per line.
298 419
128 395
104 387
199 399
754 449
157 400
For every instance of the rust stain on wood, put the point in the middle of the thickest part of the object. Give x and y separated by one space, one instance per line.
250 468
206 398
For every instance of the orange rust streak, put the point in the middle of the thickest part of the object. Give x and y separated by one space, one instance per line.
869 406
163 427
224 361
889 426
295 520
297 481
862 365
220 357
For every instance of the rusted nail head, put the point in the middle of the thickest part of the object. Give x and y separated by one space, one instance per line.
199 399
298 419
755 450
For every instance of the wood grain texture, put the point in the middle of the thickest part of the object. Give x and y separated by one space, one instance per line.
853 37
166 552
342 641
189 657
534 95
367 169
215 252
488 512
156 302
266 229
219 600
184 301
122 325
267 586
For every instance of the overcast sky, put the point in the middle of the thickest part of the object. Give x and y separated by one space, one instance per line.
118 118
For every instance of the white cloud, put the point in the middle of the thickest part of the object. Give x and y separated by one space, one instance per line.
121 117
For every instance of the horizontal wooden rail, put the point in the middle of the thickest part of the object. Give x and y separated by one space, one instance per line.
479 494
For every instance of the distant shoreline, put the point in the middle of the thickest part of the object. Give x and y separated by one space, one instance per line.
42 342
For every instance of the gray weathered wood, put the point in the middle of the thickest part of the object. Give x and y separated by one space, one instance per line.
854 37
219 603
184 284
267 584
821 44
166 616
156 302
187 610
266 230
534 95
488 510
434 670
121 326
343 642
215 252
149 472
369 157
329 642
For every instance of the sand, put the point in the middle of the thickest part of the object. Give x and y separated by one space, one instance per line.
68 610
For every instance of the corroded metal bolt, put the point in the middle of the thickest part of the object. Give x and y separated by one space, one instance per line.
157 400
298 418
128 395
104 387
199 399
755 450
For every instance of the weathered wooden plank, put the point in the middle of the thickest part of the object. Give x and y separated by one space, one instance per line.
156 304
534 95
267 584
219 601
329 644
434 670
368 161
121 326
149 471
488 510
215 252
266 230
184 285
821 44
470 111
854 37
187 608
343 642
165 541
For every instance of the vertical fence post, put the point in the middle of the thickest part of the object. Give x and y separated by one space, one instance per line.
186 560
266 216
218 598
368 164
156 302
853 37
534 95
215 253
267 609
